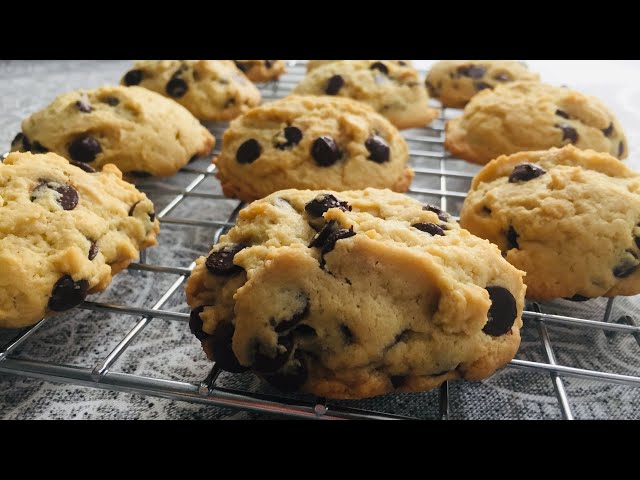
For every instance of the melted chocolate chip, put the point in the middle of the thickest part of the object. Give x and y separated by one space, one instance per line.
221 263
562 114
479 86
176 87
442 215
249 151
242 66
296 318
220 346
321 237
620 149
67 294
486 210
84 149
378 149
195 323
37 147
330 243
93 250
133 77
430 228
230 102
152 216
83 166
637 240
578 298
502 312
325 151
627 265
290 379
347 334
471 71
568 132
526 172
293 135
304 330
84 106
112 101
512 238
502 77
133 208
322 203
334 85
68 196
268 63
380 66
21 142
398 380
266 364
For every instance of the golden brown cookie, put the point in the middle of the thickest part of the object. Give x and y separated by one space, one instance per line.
262 70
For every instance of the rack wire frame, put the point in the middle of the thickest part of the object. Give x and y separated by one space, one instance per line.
207 392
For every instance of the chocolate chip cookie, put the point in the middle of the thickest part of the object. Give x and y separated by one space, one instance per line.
570 218
139 131
64 231
311 142
354 294
313 64
454 82
524 116
393 90
262 70
212 90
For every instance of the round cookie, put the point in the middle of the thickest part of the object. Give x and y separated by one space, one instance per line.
526 116
212 90
313 64
64 231
139 131
392 90
262 70
311 142
354 294
455 82
568 217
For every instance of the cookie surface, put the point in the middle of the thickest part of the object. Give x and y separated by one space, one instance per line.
455 82
212 90
527 116
139 131
568 217
63 233
308 143
392 90
262 70
354 294
313 64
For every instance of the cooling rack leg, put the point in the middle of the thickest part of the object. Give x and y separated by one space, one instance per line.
207 384
444 401
608 309
18 339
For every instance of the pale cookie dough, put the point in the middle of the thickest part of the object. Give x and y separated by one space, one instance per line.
313 64
262 70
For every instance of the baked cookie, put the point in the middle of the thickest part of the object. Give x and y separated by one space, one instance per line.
355 294
311 142
454 82
262 70
393 90
313 64
212 90
64 231
524 116
570 218
139 131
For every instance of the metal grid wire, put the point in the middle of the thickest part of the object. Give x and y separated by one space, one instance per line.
439 177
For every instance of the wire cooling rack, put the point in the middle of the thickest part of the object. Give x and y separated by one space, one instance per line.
439 179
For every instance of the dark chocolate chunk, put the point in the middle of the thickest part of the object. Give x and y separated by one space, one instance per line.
627 265
133 77
620 149
68 196
331 242
321 237
293 135
486 210
442 215
292 378
84 106
502 77
67 294
304 330
578 298
472 71
568 132
380 66
133 208
347 334
502 312
479 86
512 238
608 131
526 172
195 323
334 84
266 364
430 228
21 142
220 345
242 66
83 166
230 102
398 380
378 149
84 149
268 63
322 203
249 151
563 114
176 87
221 263
112 101
93 250
37 147
296 318
325 151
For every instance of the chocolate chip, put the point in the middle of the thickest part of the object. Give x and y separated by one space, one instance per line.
322 203
67 294
37 147
380 66
347 334
330 243
152 216
620 149
84 149
398 380
304 330
525 172
296 318
430 228
221 263
562 114
568 132
325 151
442 215
112 101
512 238
433 92
268 63
486 210
334 85
293 135
378 149
133 208
502 312
637 240
402 63
242 66
321 237
20 142
627 265
195 323
471 71
68 196
84 106
578 298
249 151
176 87
266 364
133 77
139 174
502 77
83 166
608 131
290 379
479 86
220 345
93 250
230 102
